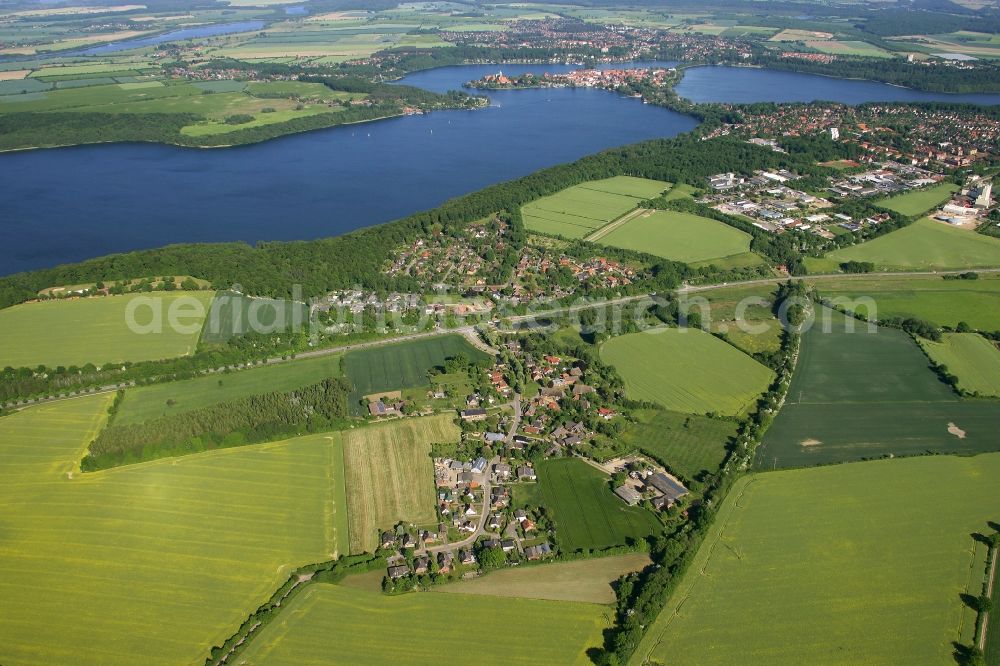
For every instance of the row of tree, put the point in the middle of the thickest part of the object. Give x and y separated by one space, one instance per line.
237 422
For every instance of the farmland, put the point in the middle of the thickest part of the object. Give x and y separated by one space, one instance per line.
943 302
808 551
686 444
586 513
687 370
390 476
401 366
679 237
859 395
972 358
95 330
584 580
235 314
920 201
335 624
925 245
582 209
161 559
144 403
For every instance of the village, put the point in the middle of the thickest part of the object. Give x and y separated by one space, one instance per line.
483 520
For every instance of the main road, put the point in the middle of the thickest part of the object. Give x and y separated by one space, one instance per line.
470 331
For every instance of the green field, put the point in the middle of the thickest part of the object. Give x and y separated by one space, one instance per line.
849 48
584 580
401 366
679 237
943 302
861 395
95 330
743 315
970 357
586 513
860 563
332 624
160 559
390 475
234 314
149 402
579 210
923 245
687 444
920 201
687 370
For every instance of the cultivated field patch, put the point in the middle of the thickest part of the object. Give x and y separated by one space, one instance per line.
144 403
584 580
866 395
687 370
586 513
336 624
161 559
582 209
925 245
679 237
809 550
234 314
390 475
943 302
401 366
687 444
920 201
95 330
970 357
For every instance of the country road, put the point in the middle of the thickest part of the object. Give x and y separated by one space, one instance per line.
469 332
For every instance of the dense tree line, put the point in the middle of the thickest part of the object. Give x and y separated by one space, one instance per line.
641 600
985 77
235 423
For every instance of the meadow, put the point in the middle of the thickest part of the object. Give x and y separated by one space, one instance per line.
970 357
390 475
943 302
234 314
743 316
586 513
94 330
686 444
161 559
847 563
858 395
401 366
919 201
679 237
586 581
687 370
339 625
145 403
582 209
923 245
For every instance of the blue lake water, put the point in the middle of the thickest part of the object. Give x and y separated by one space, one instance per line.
745 85
172 36
70 204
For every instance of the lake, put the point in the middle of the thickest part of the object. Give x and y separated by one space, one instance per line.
70 204
172 36
746 85
74 203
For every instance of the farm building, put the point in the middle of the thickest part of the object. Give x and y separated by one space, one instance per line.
630 495
668 486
